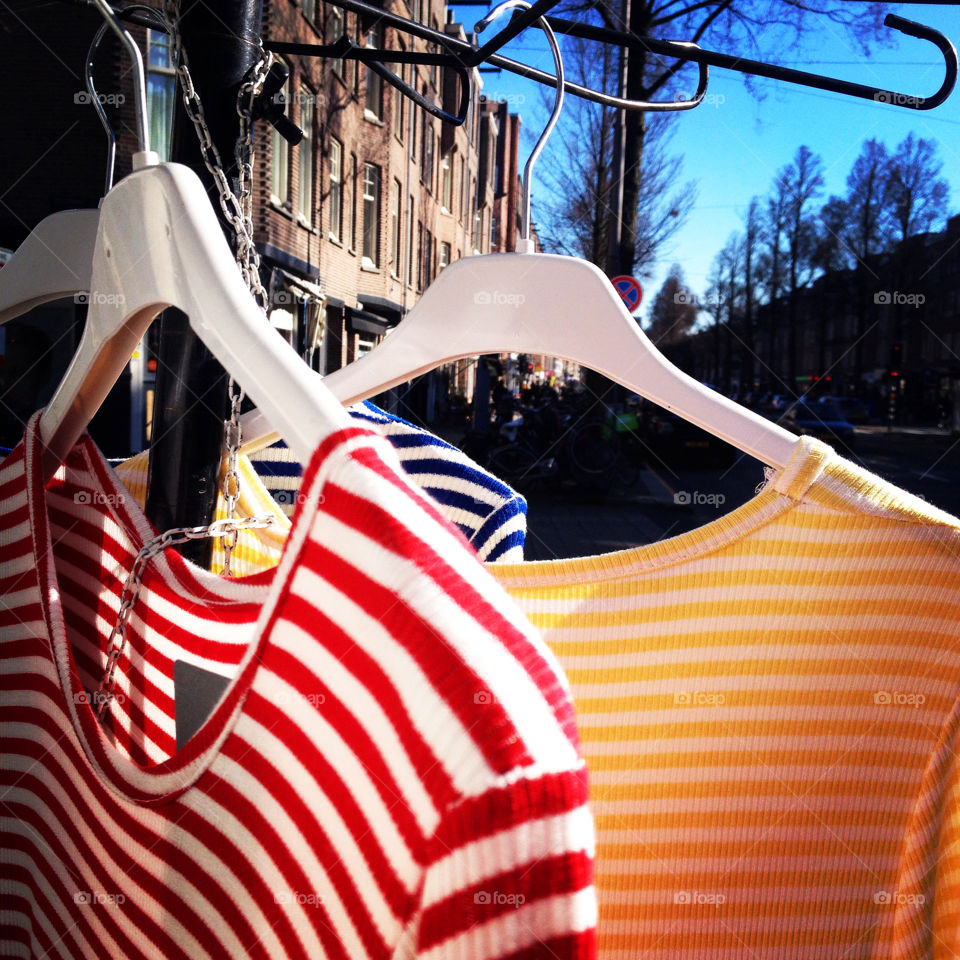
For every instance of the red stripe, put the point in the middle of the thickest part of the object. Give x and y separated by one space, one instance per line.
487 723
354 818
67 943
551 794
251 815
79 914
503 894
122 825
437 783
377 523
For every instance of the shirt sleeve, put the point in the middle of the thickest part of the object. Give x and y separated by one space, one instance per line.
511 875
926 896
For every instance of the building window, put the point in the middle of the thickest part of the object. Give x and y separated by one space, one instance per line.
427 258
446 183
373 108
398 101
280 166
419 255
413 117
477 229
444 254
307 112
353 202
463 188
495 232
395 229
309 8
426 157
336 189
410 240
161 91
337 28
371 215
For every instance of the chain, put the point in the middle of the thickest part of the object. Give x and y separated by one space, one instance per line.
231 479
238 210
131 590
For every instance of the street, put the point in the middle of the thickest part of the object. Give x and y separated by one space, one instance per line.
668 501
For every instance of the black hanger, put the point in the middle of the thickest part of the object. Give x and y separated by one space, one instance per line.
463 53
801 77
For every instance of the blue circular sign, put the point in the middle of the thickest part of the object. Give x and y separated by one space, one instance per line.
630 291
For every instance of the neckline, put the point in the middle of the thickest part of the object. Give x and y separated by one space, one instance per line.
782 490
163 781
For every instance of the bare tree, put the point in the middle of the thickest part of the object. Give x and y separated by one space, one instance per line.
867 229
917 194
802 180
754 28
579 208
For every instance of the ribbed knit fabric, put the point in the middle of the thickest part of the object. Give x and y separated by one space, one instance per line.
392 770
769 711
489 513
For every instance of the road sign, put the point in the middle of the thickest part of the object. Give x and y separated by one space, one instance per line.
630 291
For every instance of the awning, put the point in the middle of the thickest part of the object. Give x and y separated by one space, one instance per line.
360 321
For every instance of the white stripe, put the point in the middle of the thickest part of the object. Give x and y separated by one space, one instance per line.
428 712
507 850
773 625
773 741
781 775
365 709
271 809
717 599
482 651
305 715
521 927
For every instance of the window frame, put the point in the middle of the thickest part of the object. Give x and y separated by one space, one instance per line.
168 73
372 204
336 190
396 229
279 147
307 171
373 82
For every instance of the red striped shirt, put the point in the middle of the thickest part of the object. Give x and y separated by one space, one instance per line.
392 771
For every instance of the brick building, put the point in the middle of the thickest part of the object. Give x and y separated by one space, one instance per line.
352 224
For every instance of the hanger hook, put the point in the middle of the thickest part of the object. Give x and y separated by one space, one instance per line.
139 83
525 245
95 97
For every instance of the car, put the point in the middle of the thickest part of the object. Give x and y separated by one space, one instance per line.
821 420
678 442
854 410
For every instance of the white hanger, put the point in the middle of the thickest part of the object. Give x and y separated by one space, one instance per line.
540 303
159 244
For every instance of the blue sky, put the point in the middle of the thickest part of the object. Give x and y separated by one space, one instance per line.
733 145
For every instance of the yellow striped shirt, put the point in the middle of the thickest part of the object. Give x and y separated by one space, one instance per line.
768 706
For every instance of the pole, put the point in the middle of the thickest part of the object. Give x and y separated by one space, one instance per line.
221 40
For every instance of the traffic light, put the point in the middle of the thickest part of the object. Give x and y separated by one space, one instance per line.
895 360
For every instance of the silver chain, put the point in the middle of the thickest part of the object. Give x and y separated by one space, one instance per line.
238 210
232 205
231 479
131 590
